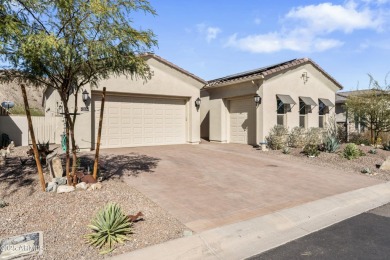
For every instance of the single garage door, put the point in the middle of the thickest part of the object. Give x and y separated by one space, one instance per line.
242 121
141 121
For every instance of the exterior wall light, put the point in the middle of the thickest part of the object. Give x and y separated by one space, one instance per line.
257 99
85 96
197 103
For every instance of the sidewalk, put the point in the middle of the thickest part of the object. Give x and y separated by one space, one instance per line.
251 237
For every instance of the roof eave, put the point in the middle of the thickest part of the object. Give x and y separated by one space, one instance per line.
170 64
235 81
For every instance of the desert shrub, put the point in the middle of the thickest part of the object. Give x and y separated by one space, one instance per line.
314 136
351 151
297 136
341 133
110 226
331 144
331 126
385 136
311 150
386 146
277 138
286 150
372 151
19 110
359 139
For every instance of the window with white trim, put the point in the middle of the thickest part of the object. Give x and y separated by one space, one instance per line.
303 113
322 111
282 109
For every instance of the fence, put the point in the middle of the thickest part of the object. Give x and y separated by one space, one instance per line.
47 129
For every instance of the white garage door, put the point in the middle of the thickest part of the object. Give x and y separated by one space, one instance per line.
242 121
140 121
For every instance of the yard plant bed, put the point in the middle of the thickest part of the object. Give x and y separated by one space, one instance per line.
337 161
63 218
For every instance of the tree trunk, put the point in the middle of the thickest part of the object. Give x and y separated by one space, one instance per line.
35 148
96 162
372 133
69 178
70 133
74 154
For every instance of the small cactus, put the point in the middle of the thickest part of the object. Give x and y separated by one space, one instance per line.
366 171
3 204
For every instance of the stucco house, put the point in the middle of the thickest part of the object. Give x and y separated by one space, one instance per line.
158 112
292 93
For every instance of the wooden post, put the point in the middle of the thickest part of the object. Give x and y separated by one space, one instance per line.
96 163
31 129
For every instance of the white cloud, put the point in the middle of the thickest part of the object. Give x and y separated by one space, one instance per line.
309 28
210 33
326 17
273 42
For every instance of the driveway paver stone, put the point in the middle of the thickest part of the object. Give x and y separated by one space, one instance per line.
210 185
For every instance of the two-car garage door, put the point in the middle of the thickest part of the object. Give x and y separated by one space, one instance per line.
141 121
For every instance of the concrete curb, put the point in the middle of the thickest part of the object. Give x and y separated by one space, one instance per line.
251 237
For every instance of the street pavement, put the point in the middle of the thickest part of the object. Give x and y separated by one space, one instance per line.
366 236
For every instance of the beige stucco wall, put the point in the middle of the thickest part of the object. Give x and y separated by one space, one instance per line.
166 82
291 83
288 82
205 114
219 107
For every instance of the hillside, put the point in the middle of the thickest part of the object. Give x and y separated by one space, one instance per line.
12 92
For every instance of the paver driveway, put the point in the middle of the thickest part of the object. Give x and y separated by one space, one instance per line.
209 185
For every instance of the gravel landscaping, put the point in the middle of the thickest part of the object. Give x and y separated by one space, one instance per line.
336 160
63 218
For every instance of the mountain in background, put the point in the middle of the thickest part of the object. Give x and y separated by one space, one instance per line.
12 92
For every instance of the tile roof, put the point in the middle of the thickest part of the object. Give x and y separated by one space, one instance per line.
170 64
267 71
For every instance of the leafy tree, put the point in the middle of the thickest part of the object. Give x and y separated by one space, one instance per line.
372 108
67 44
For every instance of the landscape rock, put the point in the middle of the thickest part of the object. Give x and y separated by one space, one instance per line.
50 157
51 186
2 159
81 186
10 147
60 181
386 165
95 186
65 189
56 167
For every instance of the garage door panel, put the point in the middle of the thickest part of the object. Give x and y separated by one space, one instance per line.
136 121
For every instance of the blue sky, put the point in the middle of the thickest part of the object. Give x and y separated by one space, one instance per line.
215 38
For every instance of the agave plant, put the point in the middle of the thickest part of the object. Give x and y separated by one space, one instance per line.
331 144
110 226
